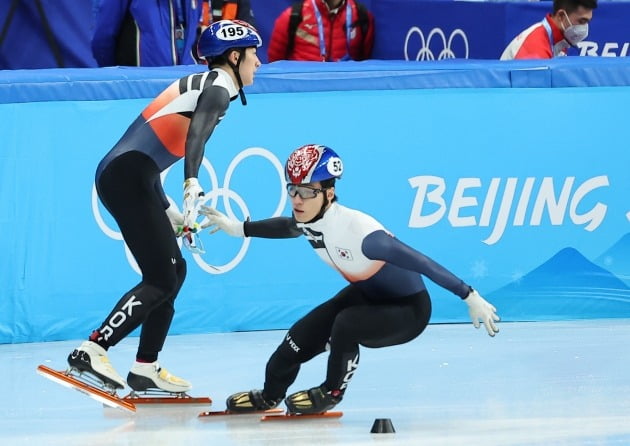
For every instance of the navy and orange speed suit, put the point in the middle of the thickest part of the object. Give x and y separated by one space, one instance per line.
176 124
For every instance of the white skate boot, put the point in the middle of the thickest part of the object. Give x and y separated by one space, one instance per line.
92 358
150 376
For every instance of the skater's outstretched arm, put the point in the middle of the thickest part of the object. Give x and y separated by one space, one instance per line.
276 227
380 245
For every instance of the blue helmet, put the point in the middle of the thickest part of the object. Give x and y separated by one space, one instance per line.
223 35
311 163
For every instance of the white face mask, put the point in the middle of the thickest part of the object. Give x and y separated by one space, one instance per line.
575 33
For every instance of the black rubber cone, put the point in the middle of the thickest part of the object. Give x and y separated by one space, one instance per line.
382 426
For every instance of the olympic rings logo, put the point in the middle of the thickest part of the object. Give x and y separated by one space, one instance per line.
426 52
212 196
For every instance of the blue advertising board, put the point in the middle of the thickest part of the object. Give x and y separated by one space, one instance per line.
434 29
528 205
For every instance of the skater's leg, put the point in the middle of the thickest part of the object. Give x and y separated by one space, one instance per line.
165 269
369 324
155 327
140 215
374 325
127 189
305 339
146 372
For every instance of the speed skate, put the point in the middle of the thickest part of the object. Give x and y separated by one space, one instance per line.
156 396
87 384
219 413
272 414
105 393
299 416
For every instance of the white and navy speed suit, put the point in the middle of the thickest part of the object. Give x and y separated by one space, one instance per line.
386 302
175 125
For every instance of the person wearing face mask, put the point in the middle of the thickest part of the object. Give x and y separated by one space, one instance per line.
384 303
566 26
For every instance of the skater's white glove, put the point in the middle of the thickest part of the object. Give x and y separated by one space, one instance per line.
192 201
480 310
218 221
176 218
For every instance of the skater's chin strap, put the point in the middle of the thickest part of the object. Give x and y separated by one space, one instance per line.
237 74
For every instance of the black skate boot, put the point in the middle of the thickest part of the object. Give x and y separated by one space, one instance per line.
252 401
313 401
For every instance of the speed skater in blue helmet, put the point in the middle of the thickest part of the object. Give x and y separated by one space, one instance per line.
232 43
311 171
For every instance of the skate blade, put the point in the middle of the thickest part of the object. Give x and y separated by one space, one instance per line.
299 416
214 413
162 397
68 380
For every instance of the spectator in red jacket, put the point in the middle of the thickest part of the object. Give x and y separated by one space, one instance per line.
323 30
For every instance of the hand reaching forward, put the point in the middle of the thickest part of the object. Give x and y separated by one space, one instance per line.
481 310
218 221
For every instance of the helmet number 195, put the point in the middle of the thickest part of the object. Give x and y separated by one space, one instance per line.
232 32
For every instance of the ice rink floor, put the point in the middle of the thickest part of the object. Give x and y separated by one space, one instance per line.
538 383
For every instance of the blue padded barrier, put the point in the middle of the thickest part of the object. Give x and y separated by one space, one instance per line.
125 82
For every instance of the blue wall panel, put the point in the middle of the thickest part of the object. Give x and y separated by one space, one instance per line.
520 191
